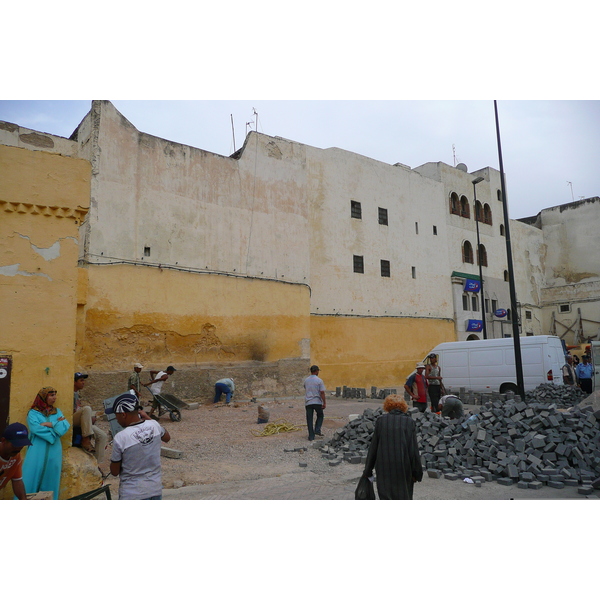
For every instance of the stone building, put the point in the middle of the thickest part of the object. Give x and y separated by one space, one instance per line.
281 255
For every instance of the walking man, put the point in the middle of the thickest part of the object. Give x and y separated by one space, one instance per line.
585 372
156 384
314 402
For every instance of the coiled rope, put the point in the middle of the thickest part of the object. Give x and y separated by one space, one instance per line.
280 426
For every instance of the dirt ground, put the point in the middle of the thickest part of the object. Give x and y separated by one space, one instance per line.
219 442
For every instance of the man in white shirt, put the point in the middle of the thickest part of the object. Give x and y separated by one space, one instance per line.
156 384
136 451
314 402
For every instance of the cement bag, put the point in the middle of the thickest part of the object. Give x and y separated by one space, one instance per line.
263 415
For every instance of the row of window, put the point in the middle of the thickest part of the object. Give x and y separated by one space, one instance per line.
460 206
467 254
489 308
359 266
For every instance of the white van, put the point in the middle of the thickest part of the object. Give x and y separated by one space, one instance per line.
489 365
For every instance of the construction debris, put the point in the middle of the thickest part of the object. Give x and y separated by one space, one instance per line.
529 443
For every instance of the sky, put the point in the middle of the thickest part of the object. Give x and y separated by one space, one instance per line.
550 149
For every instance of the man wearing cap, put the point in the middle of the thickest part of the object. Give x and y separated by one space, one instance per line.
84 418
314 402
136 451
585 372
13 440
134 383
157 382
416 386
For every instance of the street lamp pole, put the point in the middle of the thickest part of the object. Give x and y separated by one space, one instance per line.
475 182
511 276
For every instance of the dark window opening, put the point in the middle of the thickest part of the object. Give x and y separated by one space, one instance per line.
564 308
359 266
383 216
467 253
414 272
434 230
483 261
528 314
474 304
454 204
465 211
465 302
147 251
385 268
355 210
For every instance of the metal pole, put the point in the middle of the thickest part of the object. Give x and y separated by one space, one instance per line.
475 182
511 276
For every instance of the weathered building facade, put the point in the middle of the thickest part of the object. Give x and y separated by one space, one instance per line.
284 254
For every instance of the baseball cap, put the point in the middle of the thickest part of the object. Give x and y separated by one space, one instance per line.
79 375
17 435
170 368
138 366
125 403
420 365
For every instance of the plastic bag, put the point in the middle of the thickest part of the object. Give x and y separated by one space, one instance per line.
364 489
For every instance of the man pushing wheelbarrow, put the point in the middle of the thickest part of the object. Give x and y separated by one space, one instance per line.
155 386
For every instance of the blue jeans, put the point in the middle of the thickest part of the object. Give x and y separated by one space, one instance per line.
221 388
310 410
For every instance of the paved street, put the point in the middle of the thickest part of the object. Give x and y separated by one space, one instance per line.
340 485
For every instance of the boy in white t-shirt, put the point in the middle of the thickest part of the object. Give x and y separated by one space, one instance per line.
136 451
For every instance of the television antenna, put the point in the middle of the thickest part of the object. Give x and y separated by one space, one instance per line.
569 183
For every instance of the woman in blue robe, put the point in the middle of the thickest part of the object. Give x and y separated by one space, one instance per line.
43 462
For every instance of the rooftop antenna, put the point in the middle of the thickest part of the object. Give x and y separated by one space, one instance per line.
256 115
248 123
570 184
233 133
454 153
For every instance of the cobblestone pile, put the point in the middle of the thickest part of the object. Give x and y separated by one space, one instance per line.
561 395
528 443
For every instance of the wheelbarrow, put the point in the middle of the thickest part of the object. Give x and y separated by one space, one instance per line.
167 404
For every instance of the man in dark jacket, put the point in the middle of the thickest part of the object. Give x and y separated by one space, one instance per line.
394 452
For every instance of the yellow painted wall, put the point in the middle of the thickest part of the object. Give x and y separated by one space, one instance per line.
364 352
161 316
43 198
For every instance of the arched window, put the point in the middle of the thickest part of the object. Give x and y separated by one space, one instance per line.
482 256
464 208
501 229
467 252
505 275
454 204
478 211
472 337
487 214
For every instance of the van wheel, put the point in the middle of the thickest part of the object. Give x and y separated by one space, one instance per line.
508 387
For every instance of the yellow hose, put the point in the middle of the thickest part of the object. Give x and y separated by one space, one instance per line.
280 426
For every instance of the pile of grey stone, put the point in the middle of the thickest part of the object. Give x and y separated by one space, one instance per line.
361 393
509 441
561 395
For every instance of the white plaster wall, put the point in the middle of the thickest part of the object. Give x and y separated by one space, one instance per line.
21 137
337 177
195 209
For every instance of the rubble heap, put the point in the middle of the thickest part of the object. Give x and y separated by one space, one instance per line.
561 395
509 441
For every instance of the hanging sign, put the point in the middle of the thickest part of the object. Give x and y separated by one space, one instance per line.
474 325
472 285
501 312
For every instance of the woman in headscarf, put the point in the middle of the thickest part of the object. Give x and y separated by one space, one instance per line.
394 452
43 461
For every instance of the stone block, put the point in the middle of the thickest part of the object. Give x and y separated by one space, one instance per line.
434 473
171 453
535 485
523 485
335 463
504 481
559 485
585 490
303 464
451 476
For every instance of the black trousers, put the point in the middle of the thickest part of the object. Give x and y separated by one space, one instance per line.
586 385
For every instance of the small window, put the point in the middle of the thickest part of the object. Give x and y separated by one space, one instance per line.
494 305
528 315
482 256
414 272
147 251
385 268
434 230
499 194
501 229
505 275
355 210
487 305
563 308
417 228
383 216
454 204
465 302
508 315
465 211
467 254
474 304
359 266
529 333
487 214
478 212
